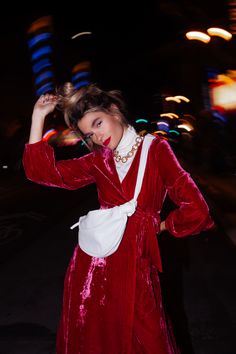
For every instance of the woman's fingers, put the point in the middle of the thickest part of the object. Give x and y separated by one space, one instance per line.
48 98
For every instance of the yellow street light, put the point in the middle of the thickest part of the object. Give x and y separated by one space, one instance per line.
177 98
173 98
169 115
199 36
182 98
219 32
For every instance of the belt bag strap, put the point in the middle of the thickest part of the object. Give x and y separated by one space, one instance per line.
142 164
101 231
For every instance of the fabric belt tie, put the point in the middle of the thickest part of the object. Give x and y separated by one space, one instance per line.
152 240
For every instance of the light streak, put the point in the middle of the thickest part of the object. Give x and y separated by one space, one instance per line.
141 120
219 32
80 34
169 115
197 35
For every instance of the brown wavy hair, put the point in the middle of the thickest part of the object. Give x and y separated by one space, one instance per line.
76 103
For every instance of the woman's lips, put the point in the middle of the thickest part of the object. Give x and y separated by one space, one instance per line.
106 142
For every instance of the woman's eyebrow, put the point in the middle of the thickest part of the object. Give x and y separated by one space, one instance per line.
95 121
92 125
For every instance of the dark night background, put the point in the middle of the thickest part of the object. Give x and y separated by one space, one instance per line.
137 50
142 51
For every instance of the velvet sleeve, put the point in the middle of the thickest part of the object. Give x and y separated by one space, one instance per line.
41 167
192 213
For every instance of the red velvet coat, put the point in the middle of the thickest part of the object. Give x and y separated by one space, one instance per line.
113 304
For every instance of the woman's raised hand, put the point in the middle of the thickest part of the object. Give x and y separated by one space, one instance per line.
44 105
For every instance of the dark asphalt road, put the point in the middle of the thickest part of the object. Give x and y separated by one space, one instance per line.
36 245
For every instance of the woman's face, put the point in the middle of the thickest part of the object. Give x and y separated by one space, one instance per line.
102 128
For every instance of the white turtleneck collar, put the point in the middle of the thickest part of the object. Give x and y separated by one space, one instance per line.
124 146
127 140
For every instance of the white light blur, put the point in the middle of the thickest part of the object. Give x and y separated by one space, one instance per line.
182 98
215 31
173 98
177 98
164 123
80 34
185 126
224 96
197 35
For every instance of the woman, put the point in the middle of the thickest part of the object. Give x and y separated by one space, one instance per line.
113 304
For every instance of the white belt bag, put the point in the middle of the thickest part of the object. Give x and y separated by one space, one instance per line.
101 231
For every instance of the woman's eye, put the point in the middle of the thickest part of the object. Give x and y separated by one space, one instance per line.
99 123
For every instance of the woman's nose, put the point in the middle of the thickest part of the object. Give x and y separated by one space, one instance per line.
100 137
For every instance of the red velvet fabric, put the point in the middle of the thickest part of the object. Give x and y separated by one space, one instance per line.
113 304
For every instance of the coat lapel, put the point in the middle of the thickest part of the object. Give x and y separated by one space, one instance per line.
106 166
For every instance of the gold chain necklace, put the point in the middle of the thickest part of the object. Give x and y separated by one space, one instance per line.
123 159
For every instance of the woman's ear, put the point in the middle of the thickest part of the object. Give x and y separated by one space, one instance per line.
115 111
114 107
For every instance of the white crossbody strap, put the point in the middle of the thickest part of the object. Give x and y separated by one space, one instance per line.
142 163
131 205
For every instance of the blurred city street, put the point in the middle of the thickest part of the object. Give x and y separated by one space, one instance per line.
37 243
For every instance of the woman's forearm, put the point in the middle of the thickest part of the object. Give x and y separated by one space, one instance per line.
36 131
44 105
